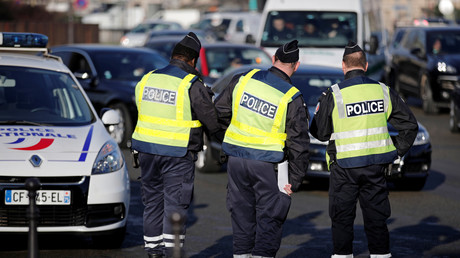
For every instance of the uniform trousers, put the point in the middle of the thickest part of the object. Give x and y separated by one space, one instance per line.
167 188
367 184
258 209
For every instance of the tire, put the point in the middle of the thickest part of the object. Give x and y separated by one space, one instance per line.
429 106
453 118
111 239
123 131
206 162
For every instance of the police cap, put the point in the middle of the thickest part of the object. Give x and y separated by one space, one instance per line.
351 47
191 41
288 53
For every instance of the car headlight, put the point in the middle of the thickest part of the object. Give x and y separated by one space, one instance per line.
109 159
445 68
422 138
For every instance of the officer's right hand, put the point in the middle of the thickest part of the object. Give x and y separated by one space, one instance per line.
288 190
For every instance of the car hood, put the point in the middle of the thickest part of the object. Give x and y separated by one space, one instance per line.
50 151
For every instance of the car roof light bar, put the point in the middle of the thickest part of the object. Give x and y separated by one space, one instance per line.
20 40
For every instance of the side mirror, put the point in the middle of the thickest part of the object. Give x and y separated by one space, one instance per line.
373 45
110 116
250 39
418 52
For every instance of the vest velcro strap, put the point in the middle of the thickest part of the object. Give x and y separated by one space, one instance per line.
359 133
364 145
142 85
282 108
386 97
254 140
181 94
339 100
169 122
162 134
259 132
240 90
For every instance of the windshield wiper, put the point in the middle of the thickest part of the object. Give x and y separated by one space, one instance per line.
23 122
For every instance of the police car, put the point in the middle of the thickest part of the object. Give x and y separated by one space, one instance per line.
49 130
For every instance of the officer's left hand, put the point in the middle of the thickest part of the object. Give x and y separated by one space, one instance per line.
288 190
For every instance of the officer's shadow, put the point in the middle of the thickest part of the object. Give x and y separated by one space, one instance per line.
408 241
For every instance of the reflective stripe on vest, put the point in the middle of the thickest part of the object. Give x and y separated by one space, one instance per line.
353 140
174 129
247 133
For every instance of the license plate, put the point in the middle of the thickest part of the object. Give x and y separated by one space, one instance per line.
44 197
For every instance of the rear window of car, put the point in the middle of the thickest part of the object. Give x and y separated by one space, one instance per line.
130 66
41 96
313 85
223 59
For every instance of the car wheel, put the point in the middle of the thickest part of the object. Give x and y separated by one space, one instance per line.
205 162
429 106
121 132
453 120
111 239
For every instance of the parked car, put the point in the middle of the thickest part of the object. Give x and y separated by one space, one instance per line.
420 69
109 75
454 116
312 80
236 27
137 36
216 58
50 131
203 36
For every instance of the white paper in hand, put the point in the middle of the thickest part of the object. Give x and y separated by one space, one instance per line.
283 178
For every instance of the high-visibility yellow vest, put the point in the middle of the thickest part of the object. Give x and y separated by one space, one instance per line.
359 119
257 129
164 112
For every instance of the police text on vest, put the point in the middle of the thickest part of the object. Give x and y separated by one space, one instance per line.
159 95
257 105
365 108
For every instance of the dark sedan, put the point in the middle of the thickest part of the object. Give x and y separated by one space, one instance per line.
109 75
216 58
410 172
426 65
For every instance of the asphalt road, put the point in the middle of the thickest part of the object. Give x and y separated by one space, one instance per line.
423 223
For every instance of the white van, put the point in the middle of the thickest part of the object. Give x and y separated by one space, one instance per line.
323 28
235 27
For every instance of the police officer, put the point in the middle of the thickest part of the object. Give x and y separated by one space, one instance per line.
352 116
173 104
267 123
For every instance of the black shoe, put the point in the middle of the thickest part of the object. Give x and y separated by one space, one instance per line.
156 255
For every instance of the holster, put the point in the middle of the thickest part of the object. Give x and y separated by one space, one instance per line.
135 156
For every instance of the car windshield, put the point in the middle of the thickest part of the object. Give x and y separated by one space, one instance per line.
129 66
223 59
313 85
37 96
310 28
444 42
